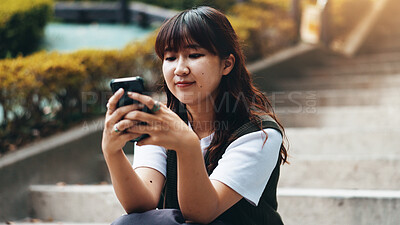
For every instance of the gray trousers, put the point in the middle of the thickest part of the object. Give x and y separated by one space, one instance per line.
158 217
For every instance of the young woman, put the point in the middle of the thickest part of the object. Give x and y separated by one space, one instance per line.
214 150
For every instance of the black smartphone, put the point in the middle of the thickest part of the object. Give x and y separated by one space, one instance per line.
132 84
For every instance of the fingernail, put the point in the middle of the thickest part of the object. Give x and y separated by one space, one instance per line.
130 93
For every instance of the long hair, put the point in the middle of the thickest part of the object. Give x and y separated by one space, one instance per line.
237 100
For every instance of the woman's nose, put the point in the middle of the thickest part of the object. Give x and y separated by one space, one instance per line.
182 68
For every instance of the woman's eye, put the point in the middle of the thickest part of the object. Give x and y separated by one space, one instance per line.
170 58
195 56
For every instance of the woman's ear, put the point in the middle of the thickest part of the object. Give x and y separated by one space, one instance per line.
229 63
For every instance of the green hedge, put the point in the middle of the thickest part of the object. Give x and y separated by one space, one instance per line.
46 92
21 25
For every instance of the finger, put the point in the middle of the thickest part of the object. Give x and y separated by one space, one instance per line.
140 129
124 124
120 113
146 100
129 136
116 130
113 101
142 116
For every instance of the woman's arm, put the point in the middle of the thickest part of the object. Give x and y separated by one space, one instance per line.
137 190
201 200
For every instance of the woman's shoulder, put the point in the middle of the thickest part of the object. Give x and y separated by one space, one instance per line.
257 138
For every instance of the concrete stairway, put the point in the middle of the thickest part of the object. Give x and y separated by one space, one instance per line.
76 203
343 126
342 120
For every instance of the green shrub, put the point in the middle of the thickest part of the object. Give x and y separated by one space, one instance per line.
21 25
45 92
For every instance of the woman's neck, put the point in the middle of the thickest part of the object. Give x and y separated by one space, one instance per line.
202 119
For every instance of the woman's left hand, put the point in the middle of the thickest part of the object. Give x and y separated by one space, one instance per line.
164 126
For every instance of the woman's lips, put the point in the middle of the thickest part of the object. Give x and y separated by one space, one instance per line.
184 84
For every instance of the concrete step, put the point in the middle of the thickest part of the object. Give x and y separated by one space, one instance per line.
342 171
389 44
354 142
374 68
384 57
305 206
339 116
386 30
383 34
372 50
337 206
336 81
307 100
75 203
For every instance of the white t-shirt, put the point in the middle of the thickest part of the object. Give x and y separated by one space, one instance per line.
245 166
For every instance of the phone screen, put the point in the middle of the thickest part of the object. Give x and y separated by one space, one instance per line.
133 84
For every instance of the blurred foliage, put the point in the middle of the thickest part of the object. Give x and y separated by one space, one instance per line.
89 0
264 26
46 92
222 5
21 25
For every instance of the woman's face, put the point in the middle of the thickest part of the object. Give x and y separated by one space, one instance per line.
193 74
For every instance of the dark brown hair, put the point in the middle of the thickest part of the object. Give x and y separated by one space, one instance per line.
238 100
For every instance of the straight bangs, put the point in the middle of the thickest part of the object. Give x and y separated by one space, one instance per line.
186 28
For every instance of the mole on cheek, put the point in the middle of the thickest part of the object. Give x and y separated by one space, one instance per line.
151 181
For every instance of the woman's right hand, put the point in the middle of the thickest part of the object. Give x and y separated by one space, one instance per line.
114 137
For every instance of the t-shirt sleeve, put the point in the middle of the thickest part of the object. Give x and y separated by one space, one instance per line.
247 165
152 156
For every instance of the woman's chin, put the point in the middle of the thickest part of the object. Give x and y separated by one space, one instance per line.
187 102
